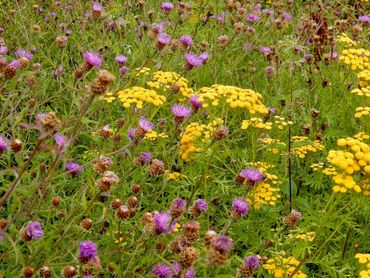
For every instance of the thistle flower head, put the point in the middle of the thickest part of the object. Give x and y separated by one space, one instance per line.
186 41
240 206
251 174
21 53
3 145
120 59
193 61
87 250
163 223
252 263
222 244
201 205
181 111
93 59
162 271
167 6
96 6
34 230
74 168
164 38
145 124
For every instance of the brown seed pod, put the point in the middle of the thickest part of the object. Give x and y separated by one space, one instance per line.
69 271
28 271
86 223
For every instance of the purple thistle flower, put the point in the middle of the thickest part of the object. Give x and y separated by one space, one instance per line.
59 70
131 133
193 61
364 19
186 41
195 102
252 263
61 141
163 221
167 6
23 53
164 38
120 59
253 17
34 230
296 214
176 267
178 207
158 27
251 174
190 273
201 205
93 59
123 70
222 244
96 6
15 64
87 249
265 50
162 271
221 17
240 206
3 50
204 57
3 145
181 111
74 168
145 157
145 124
287 17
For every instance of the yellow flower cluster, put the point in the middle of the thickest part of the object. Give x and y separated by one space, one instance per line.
166 81
256 123
363 91
269 141
330 171
302 151
280 122
193 133
358 59
345 40
361 136
108 97
282 267
364 78
143 70
355 158
175 176
302 235
153 135
140 96
362 111
364 259
317 166
236 98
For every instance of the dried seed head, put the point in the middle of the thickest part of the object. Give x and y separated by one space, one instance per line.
123 212
56 201
136 188
132 201
24 62
78 73
31 102
45 272
101 82
16 145
116 203
188 257
49 121
209 235
61 41
191 230
28 271
156 168
69 271
86 223
102 163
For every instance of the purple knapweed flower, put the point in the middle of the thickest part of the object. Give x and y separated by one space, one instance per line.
190 273
222 244
253 17
131 133
180 112
201 205
192 61
3 145
221 17
145 157
162 271
164 38
178 206
252 175
87 249
164 223
74 168
240 207
97 7
93 59
145 124
296 214
123 70
58 71
252 263
364 19
287 17
15 64
265 50
204 57
61 143
195 103
120 59
34 230
186 41
23 53
3 50
167 6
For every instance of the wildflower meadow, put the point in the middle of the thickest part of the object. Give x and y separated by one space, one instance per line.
183 139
